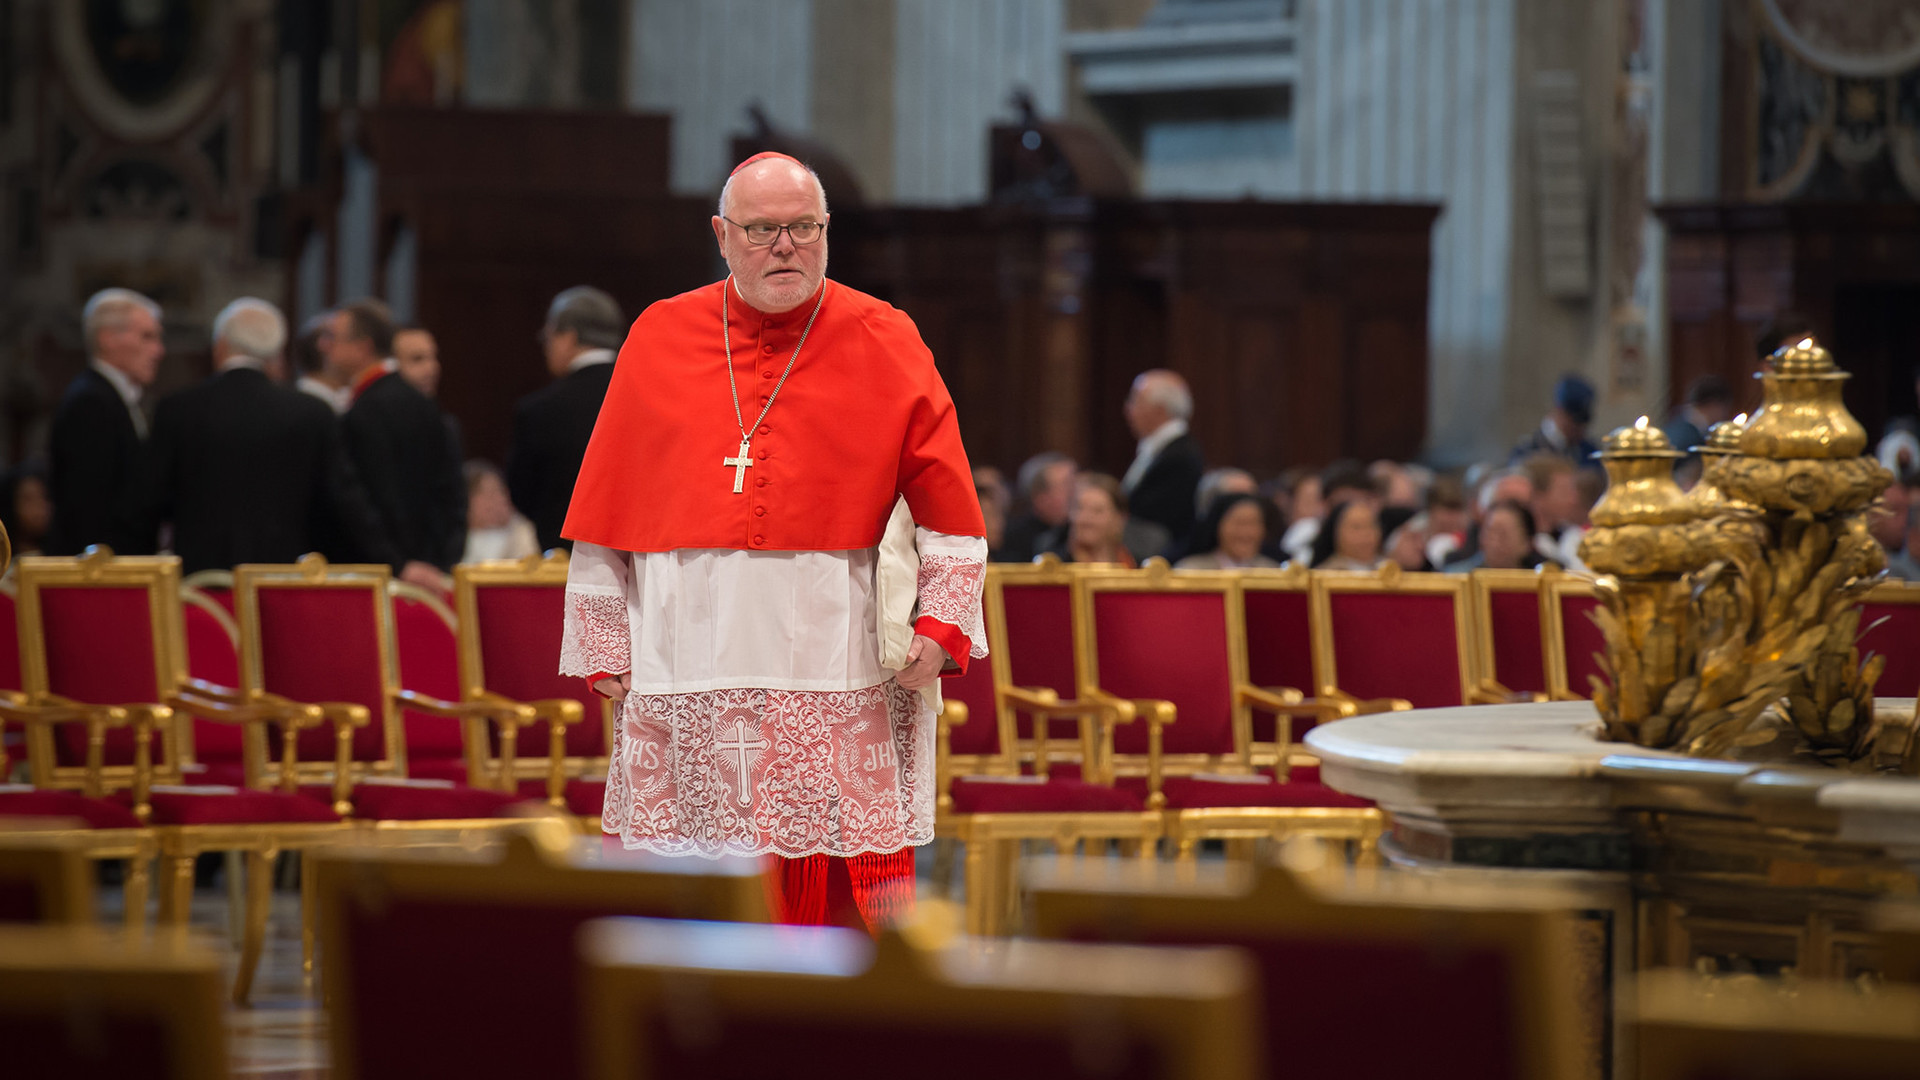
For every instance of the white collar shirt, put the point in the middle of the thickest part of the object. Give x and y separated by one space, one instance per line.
241 360
1150 448
590 358
336 397
128 390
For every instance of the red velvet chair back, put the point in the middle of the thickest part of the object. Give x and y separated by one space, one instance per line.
1037 602
1401 636
9 642
1579 639
514 641
213 654
1279 629
100 648
980 735
1896 608
416 951
1513 637
315 633
424 634
1168 641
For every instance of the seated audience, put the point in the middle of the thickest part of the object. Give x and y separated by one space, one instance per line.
1045 484
995 500
25 509
1448 521
1406 532
1398 485
1231 535
1709 401
1096 528
1506 541
1349 539
1342 481
1559 509
1892 524
495 530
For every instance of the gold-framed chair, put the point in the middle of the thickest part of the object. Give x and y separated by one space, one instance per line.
1571 644
1391 640
86 1002
286 613
1684 1026
105 653
1890 626
1278 621
510 615
987 802
1479 980
1021 1010
1173 645
1509 642
482 942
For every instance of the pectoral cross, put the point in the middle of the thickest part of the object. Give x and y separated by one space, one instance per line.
735 749
739 465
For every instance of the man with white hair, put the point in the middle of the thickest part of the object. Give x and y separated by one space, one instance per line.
247 470
726 521
98 445
1165 474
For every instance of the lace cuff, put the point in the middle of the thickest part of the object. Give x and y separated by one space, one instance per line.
953 571
595 638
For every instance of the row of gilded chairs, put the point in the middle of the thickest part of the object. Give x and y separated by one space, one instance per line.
539 953
286 708
1155 705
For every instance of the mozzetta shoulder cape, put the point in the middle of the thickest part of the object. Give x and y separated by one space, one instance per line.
863 418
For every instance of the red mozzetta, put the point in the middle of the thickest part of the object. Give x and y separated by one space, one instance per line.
863 417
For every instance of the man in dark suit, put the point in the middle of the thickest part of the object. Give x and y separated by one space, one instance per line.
98 446
248 470
551 426
398 445
1165 473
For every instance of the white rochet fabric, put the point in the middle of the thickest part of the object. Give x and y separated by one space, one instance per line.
760 718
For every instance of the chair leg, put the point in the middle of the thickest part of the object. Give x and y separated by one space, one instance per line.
176 890
236 896
1006 880
1240 849
137 888
943 864
259 902
978 871
309 906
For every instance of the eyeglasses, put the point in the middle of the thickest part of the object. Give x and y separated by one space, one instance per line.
760 234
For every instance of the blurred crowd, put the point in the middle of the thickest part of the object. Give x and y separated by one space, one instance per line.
1528 509
330 440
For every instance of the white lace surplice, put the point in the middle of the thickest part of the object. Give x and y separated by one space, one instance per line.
760 720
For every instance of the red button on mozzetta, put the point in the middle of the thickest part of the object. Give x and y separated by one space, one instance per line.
762 481
766 374
768 349
761 540
765 429
759 511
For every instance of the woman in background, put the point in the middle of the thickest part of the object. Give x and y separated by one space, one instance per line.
494 529
1349 539
1231 536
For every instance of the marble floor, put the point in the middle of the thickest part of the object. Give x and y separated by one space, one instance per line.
281 1035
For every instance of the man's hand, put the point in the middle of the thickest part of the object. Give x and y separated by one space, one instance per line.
615 686
925 658
425 575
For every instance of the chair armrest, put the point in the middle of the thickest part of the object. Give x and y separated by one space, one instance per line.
213 690
1098 718
1158 714
952 714
500 709
511 715
1493 692
1353 706
292 717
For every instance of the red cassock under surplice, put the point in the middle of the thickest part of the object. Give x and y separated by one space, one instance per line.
760 721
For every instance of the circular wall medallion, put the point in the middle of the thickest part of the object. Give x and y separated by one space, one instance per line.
142 69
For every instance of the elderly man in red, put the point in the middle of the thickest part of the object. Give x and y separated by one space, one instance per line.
754 440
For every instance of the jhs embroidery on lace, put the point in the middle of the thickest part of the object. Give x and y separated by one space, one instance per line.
595 636
785 772
950 592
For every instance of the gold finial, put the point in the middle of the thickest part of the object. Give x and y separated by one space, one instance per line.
1641 440
1803 416
1724 437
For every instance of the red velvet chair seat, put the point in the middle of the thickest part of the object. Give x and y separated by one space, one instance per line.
585 798
436 768
97 813
398 802
985 795
1201 793
238 807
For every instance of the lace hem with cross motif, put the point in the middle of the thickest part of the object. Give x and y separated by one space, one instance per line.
781 772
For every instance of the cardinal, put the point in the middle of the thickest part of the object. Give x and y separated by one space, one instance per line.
755 438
